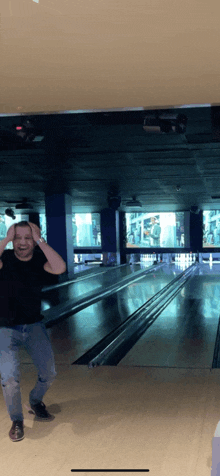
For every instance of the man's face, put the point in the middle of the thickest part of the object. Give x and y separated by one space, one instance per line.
152 221
23 243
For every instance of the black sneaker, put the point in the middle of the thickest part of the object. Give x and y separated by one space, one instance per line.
41 412
16 432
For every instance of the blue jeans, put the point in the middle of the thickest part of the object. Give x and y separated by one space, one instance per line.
37 343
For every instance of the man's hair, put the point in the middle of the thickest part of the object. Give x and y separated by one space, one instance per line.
22 223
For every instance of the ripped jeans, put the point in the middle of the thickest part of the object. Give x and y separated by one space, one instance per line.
37 343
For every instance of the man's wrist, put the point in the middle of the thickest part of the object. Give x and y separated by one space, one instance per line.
40 240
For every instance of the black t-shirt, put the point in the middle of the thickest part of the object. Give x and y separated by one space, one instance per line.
21 283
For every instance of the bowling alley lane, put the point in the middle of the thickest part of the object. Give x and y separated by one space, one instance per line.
75 335
184 334
89 280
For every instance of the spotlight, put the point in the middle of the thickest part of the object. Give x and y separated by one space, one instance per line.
9 212
165 123
28 132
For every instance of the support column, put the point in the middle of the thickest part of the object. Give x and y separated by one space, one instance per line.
34 217
122 239
58 201
196 231
110 237
113 233
58 208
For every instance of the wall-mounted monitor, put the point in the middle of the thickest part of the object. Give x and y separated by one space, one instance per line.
211 229
157 230
85 230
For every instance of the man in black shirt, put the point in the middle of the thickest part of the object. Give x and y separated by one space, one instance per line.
23 273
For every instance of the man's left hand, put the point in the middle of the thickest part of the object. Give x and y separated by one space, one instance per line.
36 233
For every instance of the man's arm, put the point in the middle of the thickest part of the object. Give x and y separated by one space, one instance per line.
54 260
3 244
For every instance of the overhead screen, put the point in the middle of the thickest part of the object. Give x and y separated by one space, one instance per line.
157 230
211 229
